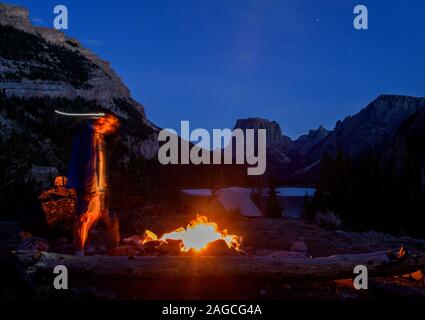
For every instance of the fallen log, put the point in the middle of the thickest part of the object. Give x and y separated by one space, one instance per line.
206 267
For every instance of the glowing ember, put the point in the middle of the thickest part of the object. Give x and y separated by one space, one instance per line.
61 181
401 253
197 235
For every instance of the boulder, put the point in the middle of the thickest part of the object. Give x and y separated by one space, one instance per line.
33 244
125 250
62 246
170 247
150 247
135 241
43 176
328 220
298 246
217 248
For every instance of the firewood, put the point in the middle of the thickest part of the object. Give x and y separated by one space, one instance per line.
218 248
170 247
150 247
248 267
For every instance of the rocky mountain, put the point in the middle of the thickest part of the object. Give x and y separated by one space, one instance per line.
284 156
33 58
40 62
278 145
376 128
308 141
41 70
407 153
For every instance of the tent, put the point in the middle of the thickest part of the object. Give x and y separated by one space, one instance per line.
237 199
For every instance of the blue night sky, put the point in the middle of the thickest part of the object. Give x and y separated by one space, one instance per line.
300 63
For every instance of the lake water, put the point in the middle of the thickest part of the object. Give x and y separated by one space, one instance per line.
291 198
283 191
295 191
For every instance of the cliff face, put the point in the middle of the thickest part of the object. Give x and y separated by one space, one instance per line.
281 150
41 70
15 16
385 126
43 62
373 128
274 132
284 156
407 152
103 84
377 129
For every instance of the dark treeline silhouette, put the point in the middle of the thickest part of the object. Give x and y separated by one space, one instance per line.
369 195
273 209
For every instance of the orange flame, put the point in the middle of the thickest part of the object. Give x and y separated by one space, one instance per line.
198 234
401 253
61 181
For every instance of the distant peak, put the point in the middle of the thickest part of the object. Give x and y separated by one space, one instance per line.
274 132
320 130
395 97
256 119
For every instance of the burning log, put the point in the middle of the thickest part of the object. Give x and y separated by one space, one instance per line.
170 247
208 267
218 248
201 236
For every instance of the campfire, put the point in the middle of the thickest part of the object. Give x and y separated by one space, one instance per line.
200 237
87 198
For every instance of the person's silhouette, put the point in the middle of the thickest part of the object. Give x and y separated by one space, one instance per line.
88 177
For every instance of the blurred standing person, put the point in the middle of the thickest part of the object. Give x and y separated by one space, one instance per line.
88 176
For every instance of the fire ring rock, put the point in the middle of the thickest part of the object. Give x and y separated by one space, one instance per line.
298 246
217 248
33 244
170 247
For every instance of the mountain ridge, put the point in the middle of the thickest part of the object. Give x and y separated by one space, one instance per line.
44 62
374 127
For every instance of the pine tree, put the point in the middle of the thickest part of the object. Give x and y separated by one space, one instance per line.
273 208
308 208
